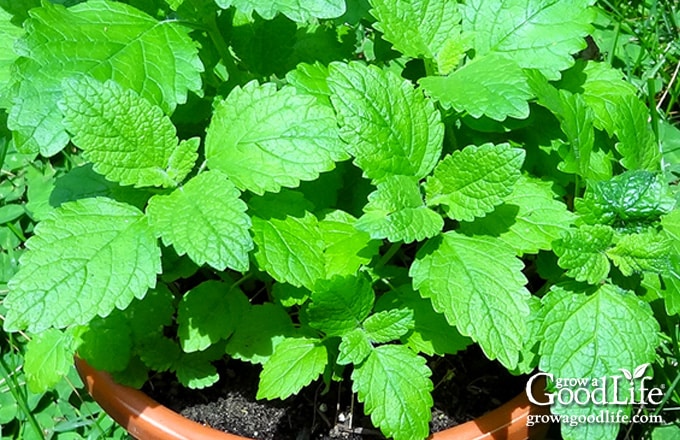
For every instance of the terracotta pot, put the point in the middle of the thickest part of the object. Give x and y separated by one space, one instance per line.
146 419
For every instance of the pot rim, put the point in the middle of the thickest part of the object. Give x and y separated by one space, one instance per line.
146 419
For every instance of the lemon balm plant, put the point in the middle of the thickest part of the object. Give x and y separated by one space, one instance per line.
331 186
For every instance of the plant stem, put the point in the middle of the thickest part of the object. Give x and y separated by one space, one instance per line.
222 47
19 397
388 255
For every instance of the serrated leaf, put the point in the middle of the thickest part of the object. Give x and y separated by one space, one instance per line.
87 258
205 219
396 211
149 315
489 306
159 353
208 313
108 40
389 325
261 329
582 252
129 139
295 10
290 249
394 385
472 181
106 344
311 79
420 28
389 126
347 248
500 88
637 143
295 363
9 33
644 252
49 356
354 347
340 304
631 198
288 295
592 334
265 139
195 371
671 227
529 220
541 34
576 122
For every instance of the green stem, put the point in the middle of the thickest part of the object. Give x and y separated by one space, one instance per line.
19 397
388 255
222 48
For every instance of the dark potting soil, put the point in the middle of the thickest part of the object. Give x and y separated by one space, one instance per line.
467 385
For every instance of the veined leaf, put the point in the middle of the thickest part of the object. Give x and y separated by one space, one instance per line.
582 252
206 219
354 347
537 34
636 143
394 384
389 126
9 33
346 247
129 139
49 356
108 40
472 181
648 251
489 306
389 325
265 139
87 258
396 211
295 10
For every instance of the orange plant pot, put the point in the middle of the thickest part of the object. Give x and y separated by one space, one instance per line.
146 419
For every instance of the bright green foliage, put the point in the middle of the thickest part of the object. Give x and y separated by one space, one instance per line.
88 256
311 79
593 335
629 199
106 343
196 371
340 304
389 126
540 34
395 374
671 227
288 295
388 325
474 180
418 28
296 362
354 347
489 306
529 220
636 143
265 139
582 252
261 329
294 10
160 353
396 211
106 40
648 251
129 139
206 219
220 309
8 35
502 89
346 248
49 355
576 121
149 315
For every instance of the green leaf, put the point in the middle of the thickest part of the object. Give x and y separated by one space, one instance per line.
388 325
296 362
472 181
671 291
671 227
576 122
645 252
49 356
311 79
208 313
195 371
9 213
87 258
542 34
290 249
420 28
106 343
159 353
291 9
389 126
206 219
592 335
129 139
108 40
265 139
396 211
582 252
354 347
261 329
394 385
489 306
500 88
9 33
529 220
288 295
340 304
634 197
347 249
150 314
637 143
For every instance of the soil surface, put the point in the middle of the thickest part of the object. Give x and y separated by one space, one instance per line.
466 386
